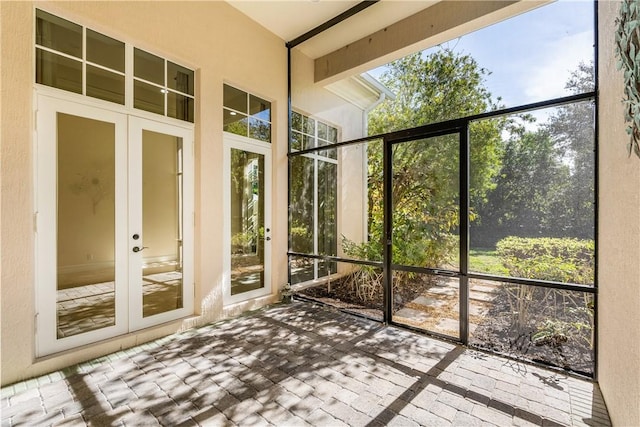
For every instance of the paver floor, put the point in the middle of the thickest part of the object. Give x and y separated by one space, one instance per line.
302 364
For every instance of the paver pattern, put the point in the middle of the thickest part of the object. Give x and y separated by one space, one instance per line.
297 365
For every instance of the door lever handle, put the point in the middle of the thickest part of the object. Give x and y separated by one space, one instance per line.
139 249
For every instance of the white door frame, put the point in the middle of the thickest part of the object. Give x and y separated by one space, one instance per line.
136 127
258 147
128 283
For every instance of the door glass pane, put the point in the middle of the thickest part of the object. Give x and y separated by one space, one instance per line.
161 223
247 221
105 85
105 51
58 71
85 225
425 202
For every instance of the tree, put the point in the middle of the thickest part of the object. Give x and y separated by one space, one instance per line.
429 89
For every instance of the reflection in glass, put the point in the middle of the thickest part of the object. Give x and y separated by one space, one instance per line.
148 67
259 108
235 122
85 225
247 221
58 71
161 223
259 129
180 106
302 207
105 85
235 99
148 97
537 218
426 203
105 51
538 324
58 34
180 78
427 302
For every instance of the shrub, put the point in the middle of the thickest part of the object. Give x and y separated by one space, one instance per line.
554 259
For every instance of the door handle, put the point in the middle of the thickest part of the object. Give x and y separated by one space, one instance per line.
139 249
268 238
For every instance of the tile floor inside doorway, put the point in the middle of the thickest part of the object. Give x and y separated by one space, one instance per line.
302 364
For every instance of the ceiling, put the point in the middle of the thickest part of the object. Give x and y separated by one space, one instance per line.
291 18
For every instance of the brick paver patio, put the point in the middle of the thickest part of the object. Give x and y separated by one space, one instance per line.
302 364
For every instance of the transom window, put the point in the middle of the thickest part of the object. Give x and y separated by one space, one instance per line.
79 60
307 132
246 114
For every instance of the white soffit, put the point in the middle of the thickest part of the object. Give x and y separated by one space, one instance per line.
289 19
363 90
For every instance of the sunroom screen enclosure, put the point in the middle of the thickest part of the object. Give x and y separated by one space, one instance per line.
478 225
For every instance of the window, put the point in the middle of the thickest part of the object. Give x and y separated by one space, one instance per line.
246 114
314 194
83 61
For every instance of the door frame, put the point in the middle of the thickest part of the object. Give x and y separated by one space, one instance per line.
232 141
47 106
136 127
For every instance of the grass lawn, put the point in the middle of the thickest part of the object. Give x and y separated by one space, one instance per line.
486 261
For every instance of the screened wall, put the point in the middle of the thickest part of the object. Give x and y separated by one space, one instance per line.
458 197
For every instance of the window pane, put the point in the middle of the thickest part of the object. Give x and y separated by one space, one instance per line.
302 211
58 71
180 106
296 121
537 324
235 123
147 97
259 108
533 204
259 130
105 51
296 140
58 34
85 225
323 131
235 99
180 78
308 125
105 85
327 208
161 223
148 67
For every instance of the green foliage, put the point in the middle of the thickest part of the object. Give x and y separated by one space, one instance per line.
561 260
486 261
628 53
429 89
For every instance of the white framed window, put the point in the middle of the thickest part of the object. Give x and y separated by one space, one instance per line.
246 114
77 59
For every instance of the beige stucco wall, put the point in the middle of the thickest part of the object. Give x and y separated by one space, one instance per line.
619 240
223 46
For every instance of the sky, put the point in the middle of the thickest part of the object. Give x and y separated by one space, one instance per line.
532 55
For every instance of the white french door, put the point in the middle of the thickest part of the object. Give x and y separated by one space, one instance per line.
247 219
114 227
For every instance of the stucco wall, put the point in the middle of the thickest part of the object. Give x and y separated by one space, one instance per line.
619 240
223 46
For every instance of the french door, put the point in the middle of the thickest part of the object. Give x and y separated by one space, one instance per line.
114 223
247 219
